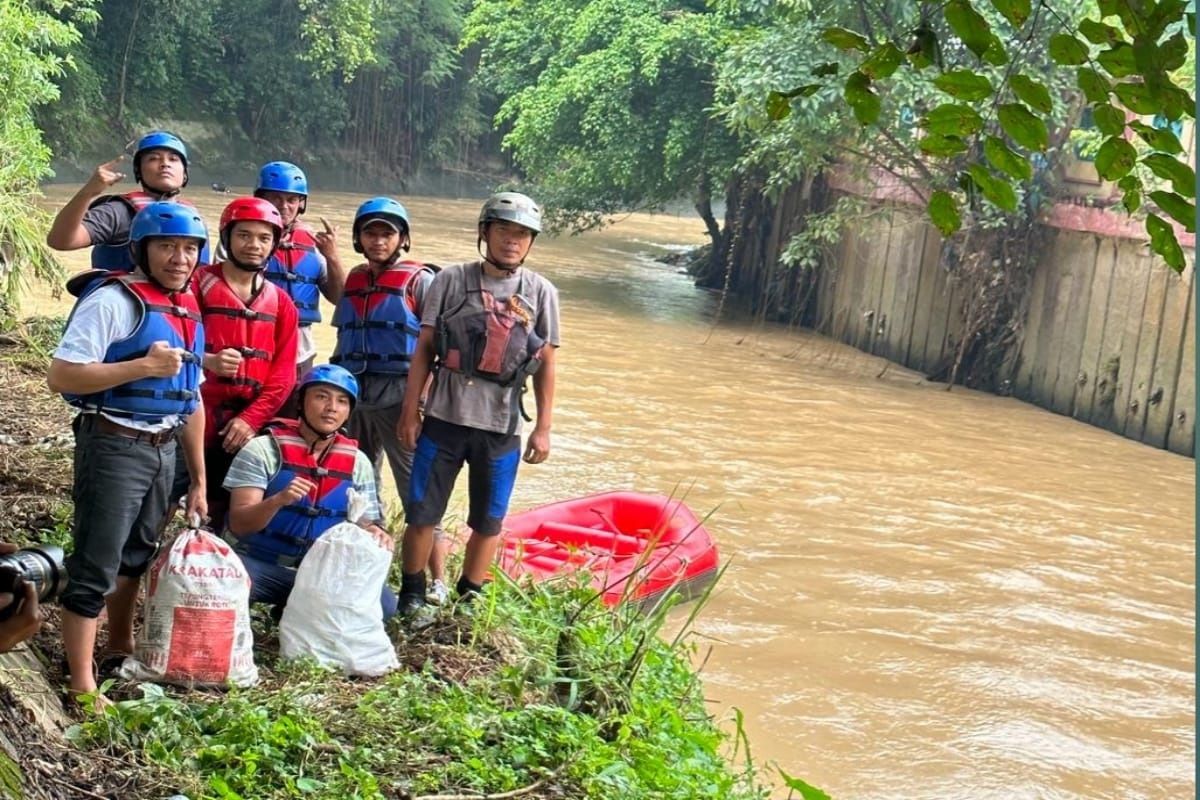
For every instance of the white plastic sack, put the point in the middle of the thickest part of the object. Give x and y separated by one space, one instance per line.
196 630
333 613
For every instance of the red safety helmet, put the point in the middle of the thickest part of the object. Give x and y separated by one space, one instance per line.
250 209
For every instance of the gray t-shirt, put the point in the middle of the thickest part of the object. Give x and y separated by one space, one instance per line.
108 223
477 403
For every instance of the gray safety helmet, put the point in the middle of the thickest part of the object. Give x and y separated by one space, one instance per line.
512 207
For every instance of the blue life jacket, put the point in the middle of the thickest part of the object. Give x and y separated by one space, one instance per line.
173 318
115 256
295 268
377 320
293 529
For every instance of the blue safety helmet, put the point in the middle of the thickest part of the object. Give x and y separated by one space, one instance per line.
281 176
161 219
384 209
330 375
159 140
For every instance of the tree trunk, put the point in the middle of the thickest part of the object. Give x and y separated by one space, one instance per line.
704 209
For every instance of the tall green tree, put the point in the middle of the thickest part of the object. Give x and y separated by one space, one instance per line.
33 46
608 103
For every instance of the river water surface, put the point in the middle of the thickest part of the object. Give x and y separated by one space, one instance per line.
931 594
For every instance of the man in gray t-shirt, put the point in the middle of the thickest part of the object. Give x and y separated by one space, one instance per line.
486 326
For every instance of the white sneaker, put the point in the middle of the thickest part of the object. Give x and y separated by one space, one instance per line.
437 594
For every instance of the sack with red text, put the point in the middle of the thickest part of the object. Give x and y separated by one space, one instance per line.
196 630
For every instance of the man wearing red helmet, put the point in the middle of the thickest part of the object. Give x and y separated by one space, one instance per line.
250 341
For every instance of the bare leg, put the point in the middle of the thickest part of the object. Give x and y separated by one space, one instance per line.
478 557
416 548
437 559
121 604
79 640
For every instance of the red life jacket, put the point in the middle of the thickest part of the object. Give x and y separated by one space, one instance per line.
293 529
249 329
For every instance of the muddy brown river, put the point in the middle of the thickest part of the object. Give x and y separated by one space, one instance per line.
931 594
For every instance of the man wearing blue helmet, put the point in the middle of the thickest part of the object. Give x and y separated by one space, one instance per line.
377 320
93 218
289 486
130 361
305 265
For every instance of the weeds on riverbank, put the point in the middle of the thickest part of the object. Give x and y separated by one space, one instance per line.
532 691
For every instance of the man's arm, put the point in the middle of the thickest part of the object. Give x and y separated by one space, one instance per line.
160 361
250 510
67 231
537 449
333 281
192 441
409 425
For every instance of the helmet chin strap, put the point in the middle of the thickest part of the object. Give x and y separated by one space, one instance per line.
144 266
244 267
321 437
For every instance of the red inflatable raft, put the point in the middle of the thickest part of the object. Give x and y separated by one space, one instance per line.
637 546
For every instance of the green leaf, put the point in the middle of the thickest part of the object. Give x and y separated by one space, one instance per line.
1131 185
953 119
935 144
1001 156
1180 210
1109 119
1094 85
1115 158
779 106
883 62
969 25
964 84
995 53
1137 98
1067 50
1181 176
308 785
1174 52
806 791
1022 126
1163 242
1163 139
1015 11
825 70
846 40
943 211
1031 92
999 192
862 99
1118 60
1099 33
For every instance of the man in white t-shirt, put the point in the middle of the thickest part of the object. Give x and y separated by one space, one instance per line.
130 361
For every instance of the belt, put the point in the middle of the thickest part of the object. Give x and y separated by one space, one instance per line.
106 425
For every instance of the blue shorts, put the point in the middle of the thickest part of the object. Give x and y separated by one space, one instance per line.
492 460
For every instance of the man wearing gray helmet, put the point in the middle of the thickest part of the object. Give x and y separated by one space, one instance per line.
486 326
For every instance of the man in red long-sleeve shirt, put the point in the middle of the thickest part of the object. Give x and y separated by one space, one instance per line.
251 336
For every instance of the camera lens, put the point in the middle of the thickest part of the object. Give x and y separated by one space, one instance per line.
42 566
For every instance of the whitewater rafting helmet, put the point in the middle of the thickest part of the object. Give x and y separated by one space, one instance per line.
159 140
160 220
330 375
282 176
249 209
381 209
512 207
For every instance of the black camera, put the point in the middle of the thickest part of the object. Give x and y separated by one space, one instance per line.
41 566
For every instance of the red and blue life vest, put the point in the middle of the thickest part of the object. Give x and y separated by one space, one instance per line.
377 320
171 317
294 528
115 256
248 328
295 268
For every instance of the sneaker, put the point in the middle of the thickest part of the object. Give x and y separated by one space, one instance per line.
438 593
409 605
